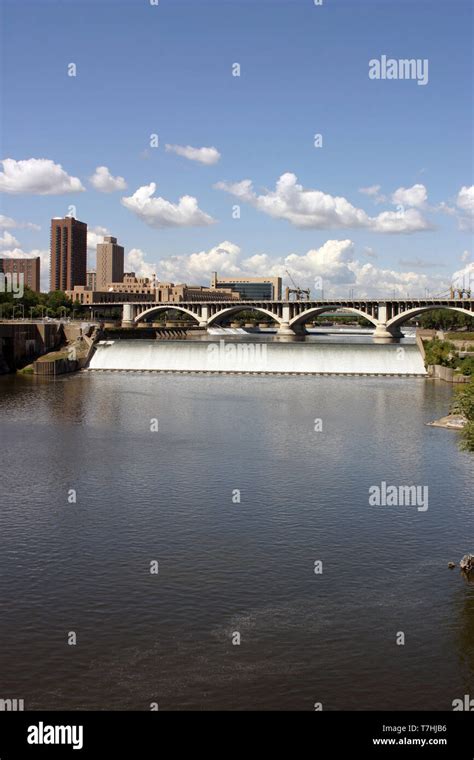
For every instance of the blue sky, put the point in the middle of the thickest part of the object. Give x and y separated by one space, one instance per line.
167 70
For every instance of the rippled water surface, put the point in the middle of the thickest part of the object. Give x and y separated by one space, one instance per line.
227 567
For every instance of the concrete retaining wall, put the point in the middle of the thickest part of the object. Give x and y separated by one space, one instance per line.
438 372
22 342
55 367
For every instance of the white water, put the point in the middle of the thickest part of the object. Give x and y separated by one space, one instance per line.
227 331
232 356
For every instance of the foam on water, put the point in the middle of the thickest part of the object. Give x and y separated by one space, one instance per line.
268 357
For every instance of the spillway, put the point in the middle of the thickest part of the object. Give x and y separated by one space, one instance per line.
263 357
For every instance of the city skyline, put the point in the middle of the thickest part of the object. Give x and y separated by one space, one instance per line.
381 202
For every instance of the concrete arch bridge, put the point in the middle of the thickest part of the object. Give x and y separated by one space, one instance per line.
386 315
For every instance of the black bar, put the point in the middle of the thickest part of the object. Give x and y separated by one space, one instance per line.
145 735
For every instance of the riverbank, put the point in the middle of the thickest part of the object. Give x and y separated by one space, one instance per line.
449 422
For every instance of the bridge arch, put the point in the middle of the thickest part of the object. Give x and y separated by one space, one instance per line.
300 318
235 309
409 313
166 307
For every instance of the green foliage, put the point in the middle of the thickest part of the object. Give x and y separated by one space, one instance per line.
463 403
467 437
465 366
52 304
440 352
443 319
464 336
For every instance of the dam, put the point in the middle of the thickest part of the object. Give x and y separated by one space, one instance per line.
344 357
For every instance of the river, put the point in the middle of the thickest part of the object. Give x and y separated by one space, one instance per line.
235 486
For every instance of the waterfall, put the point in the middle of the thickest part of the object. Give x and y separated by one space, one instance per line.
252 356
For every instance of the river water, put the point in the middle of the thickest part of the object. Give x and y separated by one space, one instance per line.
246 483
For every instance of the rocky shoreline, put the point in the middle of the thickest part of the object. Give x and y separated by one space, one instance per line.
450 422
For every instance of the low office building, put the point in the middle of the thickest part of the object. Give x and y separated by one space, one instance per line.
131 284
167 292
87 297
145 289
250 288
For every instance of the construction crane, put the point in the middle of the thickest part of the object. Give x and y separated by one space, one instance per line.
296 290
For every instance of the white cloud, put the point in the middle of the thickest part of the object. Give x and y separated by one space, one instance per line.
135 262
372 190
403 221
332 262
95 235
464 278
444 208
103 181
206 156
7 240
37 176
197 267
159 213
415 196
313 209
335 263
465 202
6 222
465 199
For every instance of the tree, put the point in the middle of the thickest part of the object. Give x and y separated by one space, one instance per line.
463 403
443 319
440 352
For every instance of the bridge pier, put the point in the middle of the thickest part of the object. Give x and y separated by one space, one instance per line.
285 329
286 332
204 315
128 315
391 333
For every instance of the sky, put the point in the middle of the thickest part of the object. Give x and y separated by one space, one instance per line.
245 136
